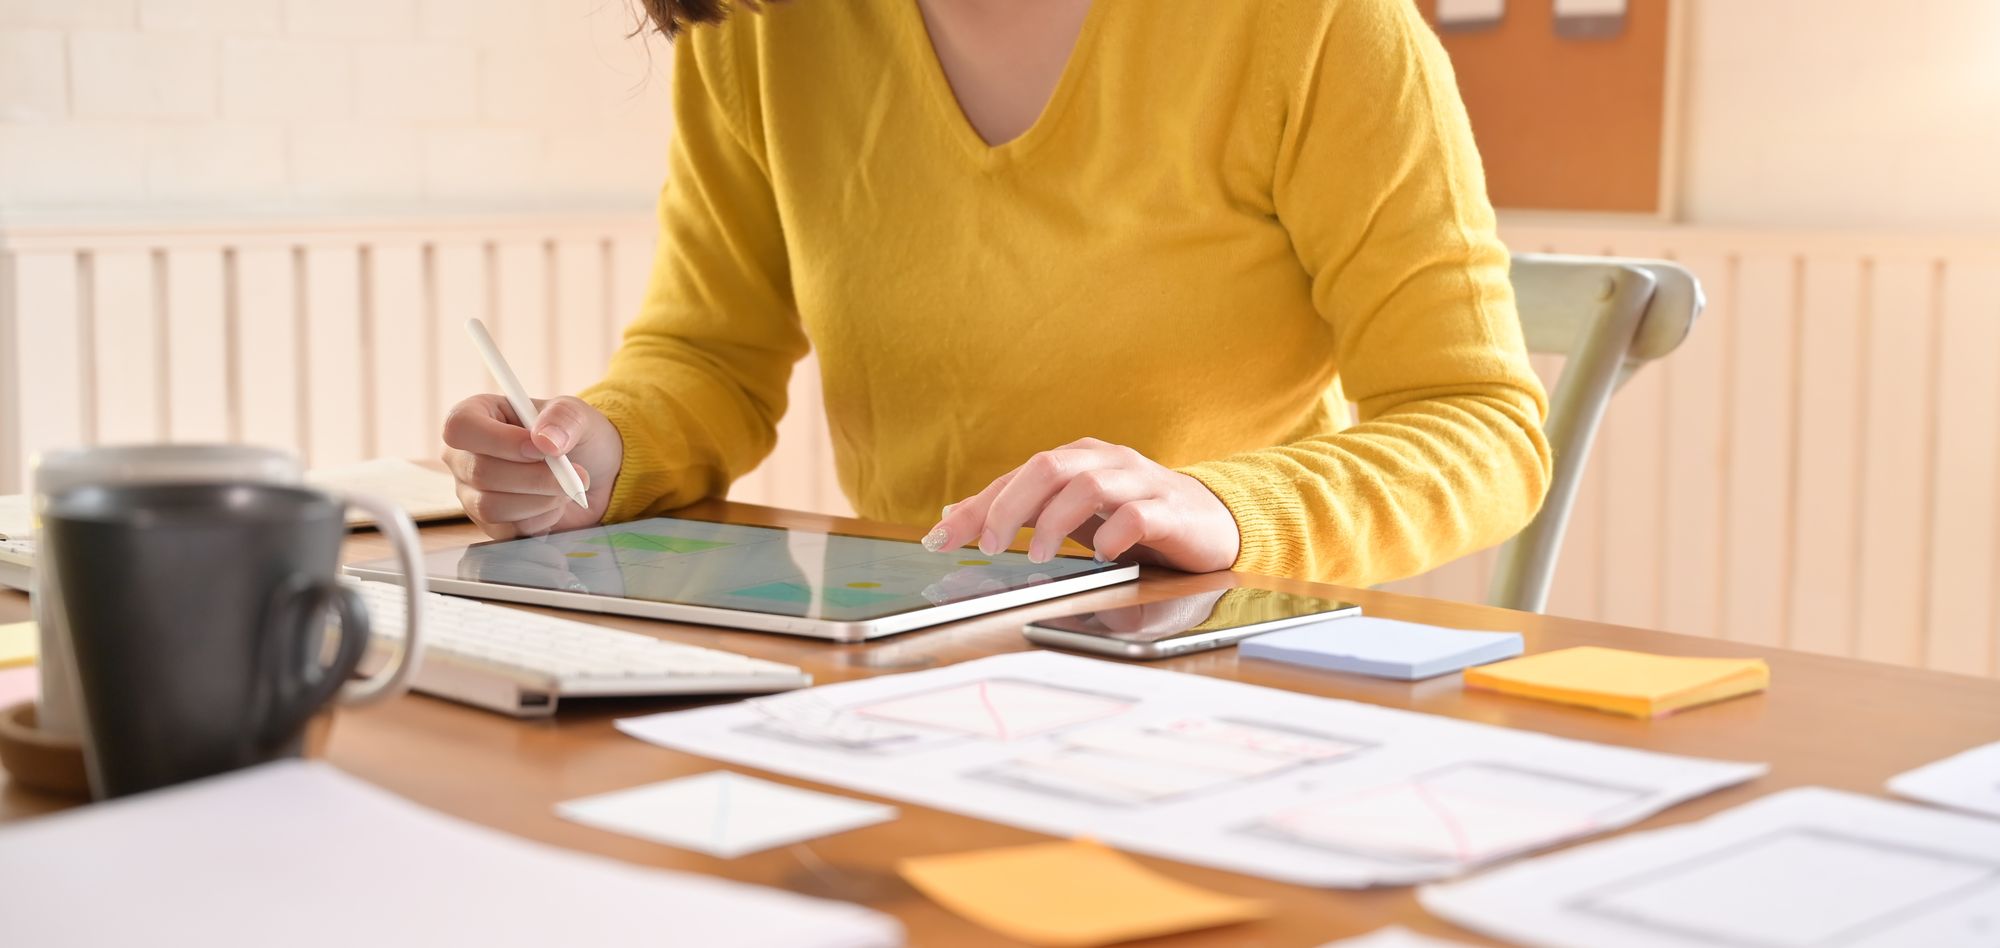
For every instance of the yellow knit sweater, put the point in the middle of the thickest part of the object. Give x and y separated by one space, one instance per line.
1231 218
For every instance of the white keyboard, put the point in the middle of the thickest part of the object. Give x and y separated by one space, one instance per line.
523 663
17 563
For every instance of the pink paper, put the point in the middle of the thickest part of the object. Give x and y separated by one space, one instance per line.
19 684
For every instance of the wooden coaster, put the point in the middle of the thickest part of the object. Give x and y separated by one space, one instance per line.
37 760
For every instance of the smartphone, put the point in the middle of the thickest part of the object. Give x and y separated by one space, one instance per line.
1189 624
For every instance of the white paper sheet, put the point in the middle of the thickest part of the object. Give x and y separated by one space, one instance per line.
1457 14
301 855
1590 19
423 493
1590 8
16 521
1219 773
1394 936
724 814
19 684
1969 781
1805 867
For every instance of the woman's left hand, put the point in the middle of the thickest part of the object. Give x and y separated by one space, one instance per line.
1111 498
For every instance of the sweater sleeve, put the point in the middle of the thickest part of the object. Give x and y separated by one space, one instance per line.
699 383
1380 188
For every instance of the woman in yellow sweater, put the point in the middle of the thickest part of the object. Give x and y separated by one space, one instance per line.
1106 269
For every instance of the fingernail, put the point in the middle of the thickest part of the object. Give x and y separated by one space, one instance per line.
946 512
990 544
533 450
1099 556
1036 554
934 540
555 441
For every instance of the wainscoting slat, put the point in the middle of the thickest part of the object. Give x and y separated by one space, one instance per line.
1895 489
330 364
268 349
521 305
1964 467
400 360
126 357
1827 490
460 290
582 346
197 345
46 356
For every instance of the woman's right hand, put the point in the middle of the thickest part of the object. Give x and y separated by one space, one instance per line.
504 479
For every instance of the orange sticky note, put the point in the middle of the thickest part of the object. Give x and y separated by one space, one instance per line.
1070 894
1630 683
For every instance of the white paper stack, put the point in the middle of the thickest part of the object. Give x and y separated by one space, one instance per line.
299 854
1384 648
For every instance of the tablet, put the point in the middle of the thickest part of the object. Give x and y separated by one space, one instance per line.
827 585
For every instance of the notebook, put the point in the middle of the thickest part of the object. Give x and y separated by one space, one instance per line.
1622 682
1384 648
424 493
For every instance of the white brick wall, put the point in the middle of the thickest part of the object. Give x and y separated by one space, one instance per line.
351 19
112 13
211 17
1850 113
33 71
141 76
416 82
326 104
283 79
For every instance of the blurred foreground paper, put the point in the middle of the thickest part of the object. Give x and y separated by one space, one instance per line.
300 854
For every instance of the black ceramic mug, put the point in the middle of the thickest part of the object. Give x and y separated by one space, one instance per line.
197 618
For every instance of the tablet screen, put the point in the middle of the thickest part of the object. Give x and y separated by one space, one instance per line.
750 569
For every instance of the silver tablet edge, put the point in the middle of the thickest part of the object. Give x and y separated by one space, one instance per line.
830 629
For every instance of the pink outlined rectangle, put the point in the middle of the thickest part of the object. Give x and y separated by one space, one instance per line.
1001 709
1465 814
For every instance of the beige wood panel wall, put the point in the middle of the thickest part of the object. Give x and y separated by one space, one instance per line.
338 340
1818 467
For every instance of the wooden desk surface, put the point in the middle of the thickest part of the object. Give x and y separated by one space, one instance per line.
1828 721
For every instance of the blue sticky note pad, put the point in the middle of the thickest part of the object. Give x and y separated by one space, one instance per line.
1383 648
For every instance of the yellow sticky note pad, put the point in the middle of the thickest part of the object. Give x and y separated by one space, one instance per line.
1075 894
19 644
1631 683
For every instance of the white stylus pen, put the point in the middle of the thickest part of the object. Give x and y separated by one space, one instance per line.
524 407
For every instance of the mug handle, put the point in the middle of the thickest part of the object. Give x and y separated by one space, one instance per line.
298 608
394 679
